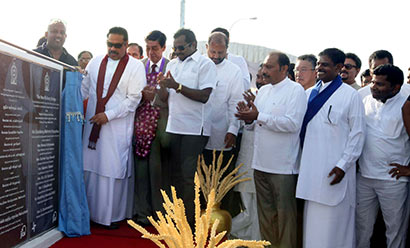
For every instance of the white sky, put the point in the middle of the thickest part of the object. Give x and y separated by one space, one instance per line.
296 27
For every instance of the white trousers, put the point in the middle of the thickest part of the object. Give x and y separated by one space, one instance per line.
107 198
246 224
328 226
391 196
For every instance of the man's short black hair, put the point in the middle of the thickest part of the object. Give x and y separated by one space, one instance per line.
355 58
393 74
139 47
366 73
381 54
189 35
222 30
120 31
334 54
283 59
157 35
79 55
291 73
310 58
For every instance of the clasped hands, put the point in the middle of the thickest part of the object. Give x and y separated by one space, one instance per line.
167 81
247 111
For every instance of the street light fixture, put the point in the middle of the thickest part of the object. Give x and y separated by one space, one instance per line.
241 19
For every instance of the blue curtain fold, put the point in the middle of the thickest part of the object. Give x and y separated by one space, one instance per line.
74 215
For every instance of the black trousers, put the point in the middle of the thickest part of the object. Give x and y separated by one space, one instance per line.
185 150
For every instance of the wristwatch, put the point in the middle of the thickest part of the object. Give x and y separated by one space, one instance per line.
178 90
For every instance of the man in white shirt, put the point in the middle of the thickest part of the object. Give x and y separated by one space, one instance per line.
332 137
305 73
135 50
276 116
113 86
379 57
237 60
387 142
187 86
225 97
351 69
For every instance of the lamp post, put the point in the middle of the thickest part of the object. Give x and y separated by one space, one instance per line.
241 19
182 16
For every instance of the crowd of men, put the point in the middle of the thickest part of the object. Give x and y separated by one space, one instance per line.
341 146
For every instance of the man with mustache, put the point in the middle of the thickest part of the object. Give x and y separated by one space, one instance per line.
379 57
53 47
350 70
276 117
386 143
135 51
187 87
237 60
113 86
227 94
332 138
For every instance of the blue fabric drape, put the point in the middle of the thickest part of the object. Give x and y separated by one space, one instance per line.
315 103
74 216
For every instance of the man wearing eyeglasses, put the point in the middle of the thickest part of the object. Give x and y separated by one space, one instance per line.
53 47
351 69
113 85
305 73
187 86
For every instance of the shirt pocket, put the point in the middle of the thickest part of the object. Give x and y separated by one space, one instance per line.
393 126
188 79
332 116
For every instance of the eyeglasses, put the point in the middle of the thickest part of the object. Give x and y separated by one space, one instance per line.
302 70
85 59
349 66
181 48
116 45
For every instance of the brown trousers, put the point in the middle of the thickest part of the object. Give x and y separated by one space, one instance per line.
277 208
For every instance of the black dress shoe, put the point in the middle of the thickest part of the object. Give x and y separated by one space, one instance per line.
113 226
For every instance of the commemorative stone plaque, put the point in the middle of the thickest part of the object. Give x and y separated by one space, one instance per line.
14 141
29 146
45 148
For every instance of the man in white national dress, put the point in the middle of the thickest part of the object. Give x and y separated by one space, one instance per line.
332 138
113 86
